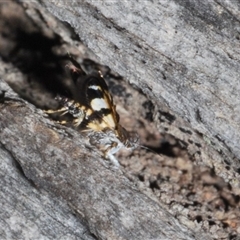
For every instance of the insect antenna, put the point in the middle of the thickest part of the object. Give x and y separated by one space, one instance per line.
146 148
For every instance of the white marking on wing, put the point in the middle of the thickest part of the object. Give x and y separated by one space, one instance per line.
98 104
95 87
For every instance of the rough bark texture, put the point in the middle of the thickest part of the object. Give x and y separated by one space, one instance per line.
60 162
183 58
183 55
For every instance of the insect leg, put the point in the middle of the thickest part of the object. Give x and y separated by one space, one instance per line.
63 109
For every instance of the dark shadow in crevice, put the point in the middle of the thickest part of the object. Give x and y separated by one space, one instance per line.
27 47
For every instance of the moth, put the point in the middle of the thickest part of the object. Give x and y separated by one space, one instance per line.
94 113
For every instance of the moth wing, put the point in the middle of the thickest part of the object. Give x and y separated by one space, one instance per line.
92 93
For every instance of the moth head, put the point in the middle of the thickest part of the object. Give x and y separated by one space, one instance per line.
129 140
